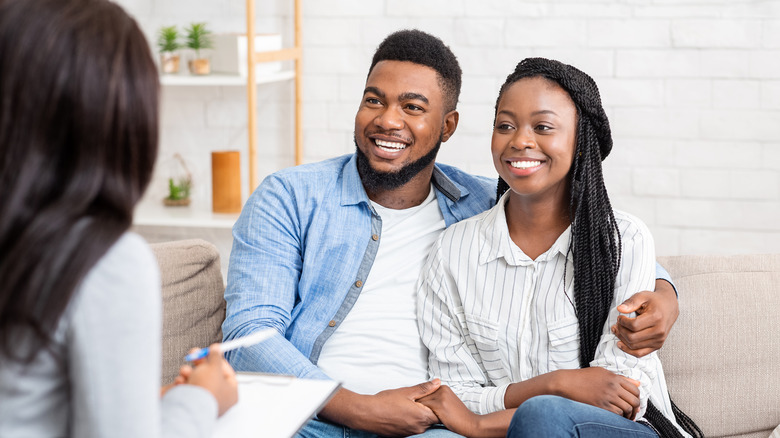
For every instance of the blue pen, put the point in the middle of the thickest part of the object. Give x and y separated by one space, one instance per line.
245 341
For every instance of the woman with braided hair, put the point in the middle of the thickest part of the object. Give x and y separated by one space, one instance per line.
516 304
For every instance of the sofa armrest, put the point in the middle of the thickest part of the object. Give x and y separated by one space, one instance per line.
193 299
721 357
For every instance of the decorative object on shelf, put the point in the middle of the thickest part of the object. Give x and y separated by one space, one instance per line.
230 53
168 43
179 184
199 38
226 182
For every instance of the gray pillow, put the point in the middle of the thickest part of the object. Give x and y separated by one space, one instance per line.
193 300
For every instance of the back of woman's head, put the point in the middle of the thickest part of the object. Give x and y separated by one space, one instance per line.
78 140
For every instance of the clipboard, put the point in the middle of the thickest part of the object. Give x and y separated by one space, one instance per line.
273 406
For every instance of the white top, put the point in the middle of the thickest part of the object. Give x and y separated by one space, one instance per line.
491 316
102 376
383 322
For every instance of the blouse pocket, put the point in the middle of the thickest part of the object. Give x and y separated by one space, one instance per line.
484 333
564 337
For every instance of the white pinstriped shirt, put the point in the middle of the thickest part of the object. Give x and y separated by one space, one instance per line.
491 316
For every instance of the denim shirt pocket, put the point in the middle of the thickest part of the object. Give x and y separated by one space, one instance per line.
484 333
564 335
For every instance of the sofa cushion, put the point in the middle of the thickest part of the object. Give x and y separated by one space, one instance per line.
193 299
722 358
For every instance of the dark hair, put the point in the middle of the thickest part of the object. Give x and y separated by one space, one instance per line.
78 141
421 48
595 239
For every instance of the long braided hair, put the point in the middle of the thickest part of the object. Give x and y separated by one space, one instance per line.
595 243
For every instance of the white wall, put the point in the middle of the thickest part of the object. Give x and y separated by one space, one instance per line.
692 88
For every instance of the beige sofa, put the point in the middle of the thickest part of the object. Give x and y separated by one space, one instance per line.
722 360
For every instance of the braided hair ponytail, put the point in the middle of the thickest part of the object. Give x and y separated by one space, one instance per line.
595 242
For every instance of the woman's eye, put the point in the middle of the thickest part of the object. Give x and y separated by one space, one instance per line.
503 127
543 128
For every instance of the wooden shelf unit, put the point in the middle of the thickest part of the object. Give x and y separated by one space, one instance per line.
295 54
151 212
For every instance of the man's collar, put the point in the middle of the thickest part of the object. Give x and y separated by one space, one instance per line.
446 186
352 191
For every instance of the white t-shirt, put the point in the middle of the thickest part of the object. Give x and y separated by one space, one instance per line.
378 345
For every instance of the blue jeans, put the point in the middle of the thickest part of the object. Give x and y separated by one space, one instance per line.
552 416
322 429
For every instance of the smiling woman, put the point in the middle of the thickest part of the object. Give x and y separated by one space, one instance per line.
515 304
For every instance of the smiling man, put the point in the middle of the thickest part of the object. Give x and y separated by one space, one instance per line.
328 253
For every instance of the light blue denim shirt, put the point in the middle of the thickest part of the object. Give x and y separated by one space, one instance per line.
302 248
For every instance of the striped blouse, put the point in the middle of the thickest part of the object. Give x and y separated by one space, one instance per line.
491 316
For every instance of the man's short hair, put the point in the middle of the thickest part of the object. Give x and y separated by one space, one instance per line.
416 46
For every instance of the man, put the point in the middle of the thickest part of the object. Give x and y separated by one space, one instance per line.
328 253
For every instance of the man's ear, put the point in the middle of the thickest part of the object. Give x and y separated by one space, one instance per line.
450 124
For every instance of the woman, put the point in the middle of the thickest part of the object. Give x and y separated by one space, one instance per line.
516 304
80 309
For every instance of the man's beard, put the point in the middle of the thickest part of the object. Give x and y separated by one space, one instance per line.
374 180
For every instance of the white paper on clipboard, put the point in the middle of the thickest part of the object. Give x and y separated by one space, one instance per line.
273 406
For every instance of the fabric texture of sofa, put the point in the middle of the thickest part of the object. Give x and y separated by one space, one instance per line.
193 299
722 359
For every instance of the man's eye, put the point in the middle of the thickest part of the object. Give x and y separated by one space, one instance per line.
373 101
413 107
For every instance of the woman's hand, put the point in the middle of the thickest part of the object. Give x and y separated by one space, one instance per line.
214 374
601 388
459 419
451 411
182 378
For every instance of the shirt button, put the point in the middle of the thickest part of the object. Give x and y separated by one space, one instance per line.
332 323
375 237
359 283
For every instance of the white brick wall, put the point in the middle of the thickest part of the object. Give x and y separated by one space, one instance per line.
692 89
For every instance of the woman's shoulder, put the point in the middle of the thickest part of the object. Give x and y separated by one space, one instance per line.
130 259
129 271
632 228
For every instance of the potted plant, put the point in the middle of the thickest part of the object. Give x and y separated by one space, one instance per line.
179 183
199 38
168 43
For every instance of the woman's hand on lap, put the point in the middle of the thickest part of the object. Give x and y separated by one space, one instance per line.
601 388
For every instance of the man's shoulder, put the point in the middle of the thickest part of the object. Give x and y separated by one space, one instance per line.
306 181
313 172
477 193
472 182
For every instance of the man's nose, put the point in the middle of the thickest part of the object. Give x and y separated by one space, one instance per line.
390 120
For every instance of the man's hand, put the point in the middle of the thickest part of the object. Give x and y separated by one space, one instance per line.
656 314
452 412
394 412
601 388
